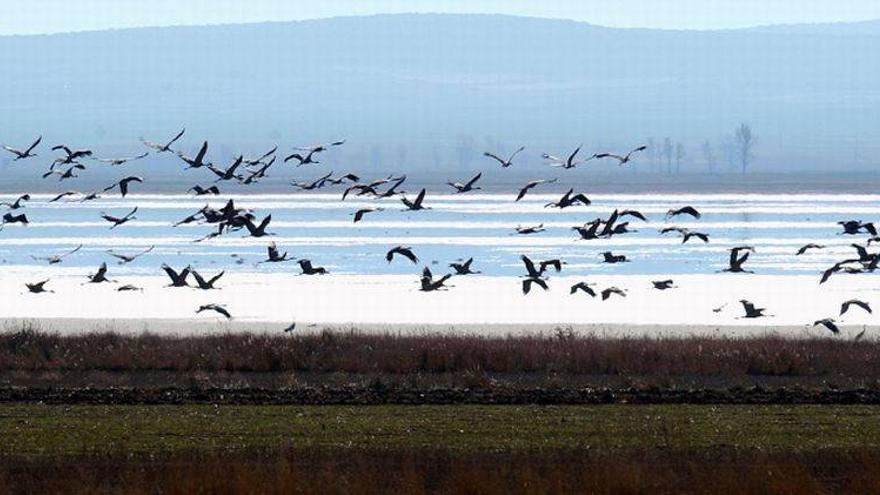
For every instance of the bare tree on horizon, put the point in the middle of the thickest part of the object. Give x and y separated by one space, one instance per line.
708 155
745 144
679 156
666 154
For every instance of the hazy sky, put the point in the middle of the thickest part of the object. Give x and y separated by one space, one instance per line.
49 16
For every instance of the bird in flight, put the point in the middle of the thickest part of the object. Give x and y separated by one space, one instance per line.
122 184
21 155
566 163
117 221
505 162
128 258
121 161
622 159
57 258
37 287
206 284
416 204
685 210
531 185
217 308
429 284
828 323
164 148
854 302
199 160
17 203
583 287
751 310
807 247
467 186
463 268
406 252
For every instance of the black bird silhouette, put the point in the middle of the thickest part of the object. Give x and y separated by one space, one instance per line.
17 203
864 255
534 229
177 279
274 256
504 162
206 284
89 197
259 161
463 268
100 275
164 148
392 190
117 221
590 230
804 249
612 290
21 155
311 151
609 257
663 284
686 234
583 286
10 218
735 262
684 210
199 160
837 267
633 213
854 302
70 173
57 258
71 155
542 266
128 258
854 227
569 199
258 230
359 215
829 324
63 195
467 186
128 287
531 185
302 159
566 163
259 173
123 183
38 287
316 184
528 281
415 204
122 161
229 173
406 252
343 178
622 160
217 308
428 284
751 310
308 269
201 191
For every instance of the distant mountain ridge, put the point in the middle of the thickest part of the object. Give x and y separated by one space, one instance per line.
434 90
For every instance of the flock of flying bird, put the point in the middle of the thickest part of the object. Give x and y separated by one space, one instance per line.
248 171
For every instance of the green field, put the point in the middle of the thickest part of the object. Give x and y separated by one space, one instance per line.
33 431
